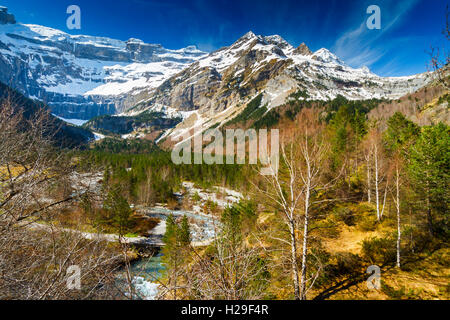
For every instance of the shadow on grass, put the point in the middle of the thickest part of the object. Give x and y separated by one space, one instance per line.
357 278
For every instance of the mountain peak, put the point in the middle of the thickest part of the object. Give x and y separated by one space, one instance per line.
6 17
365 69
277 40
303 50
248 35
191 48
324 55
245 39
134 40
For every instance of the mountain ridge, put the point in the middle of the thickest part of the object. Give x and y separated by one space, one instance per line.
82 77
215 88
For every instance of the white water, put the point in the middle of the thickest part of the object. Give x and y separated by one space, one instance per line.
146 272
145 289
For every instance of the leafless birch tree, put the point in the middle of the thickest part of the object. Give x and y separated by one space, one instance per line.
375 157
396 199
292 191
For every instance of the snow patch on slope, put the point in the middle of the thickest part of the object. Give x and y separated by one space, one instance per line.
76 122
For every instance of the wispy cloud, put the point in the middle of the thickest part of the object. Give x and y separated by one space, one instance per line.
360 46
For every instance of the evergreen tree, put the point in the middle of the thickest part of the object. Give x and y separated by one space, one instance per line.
119 210
184 237
175 251
398 138
170 240
400 133
232 227
429 167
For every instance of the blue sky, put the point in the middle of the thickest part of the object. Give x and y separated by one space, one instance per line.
408 27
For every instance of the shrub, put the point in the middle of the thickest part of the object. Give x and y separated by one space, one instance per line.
347 263
416 240
196 197
341 264
211 206
379 250
367 221
345 215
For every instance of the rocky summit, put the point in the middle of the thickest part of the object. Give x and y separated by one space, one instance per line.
6 17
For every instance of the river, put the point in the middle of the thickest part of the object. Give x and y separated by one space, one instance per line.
147 271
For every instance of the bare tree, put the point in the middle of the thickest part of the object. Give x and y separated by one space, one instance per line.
228 274
293 190
375 157
367 156
397 206
34 259
146 192
285 191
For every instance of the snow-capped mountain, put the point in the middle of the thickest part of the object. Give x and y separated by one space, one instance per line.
81 77
218 86
84 76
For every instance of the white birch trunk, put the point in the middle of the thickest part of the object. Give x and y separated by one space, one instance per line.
369 193
397 204
377 197
384 200
305 237
294 264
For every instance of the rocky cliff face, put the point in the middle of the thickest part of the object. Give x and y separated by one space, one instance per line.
122 125
82 76
6 17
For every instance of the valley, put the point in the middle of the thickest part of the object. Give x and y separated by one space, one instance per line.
357 178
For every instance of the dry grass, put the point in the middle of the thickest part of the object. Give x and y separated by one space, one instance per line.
349 240
427 279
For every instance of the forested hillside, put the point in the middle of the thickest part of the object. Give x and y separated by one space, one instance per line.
62 134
